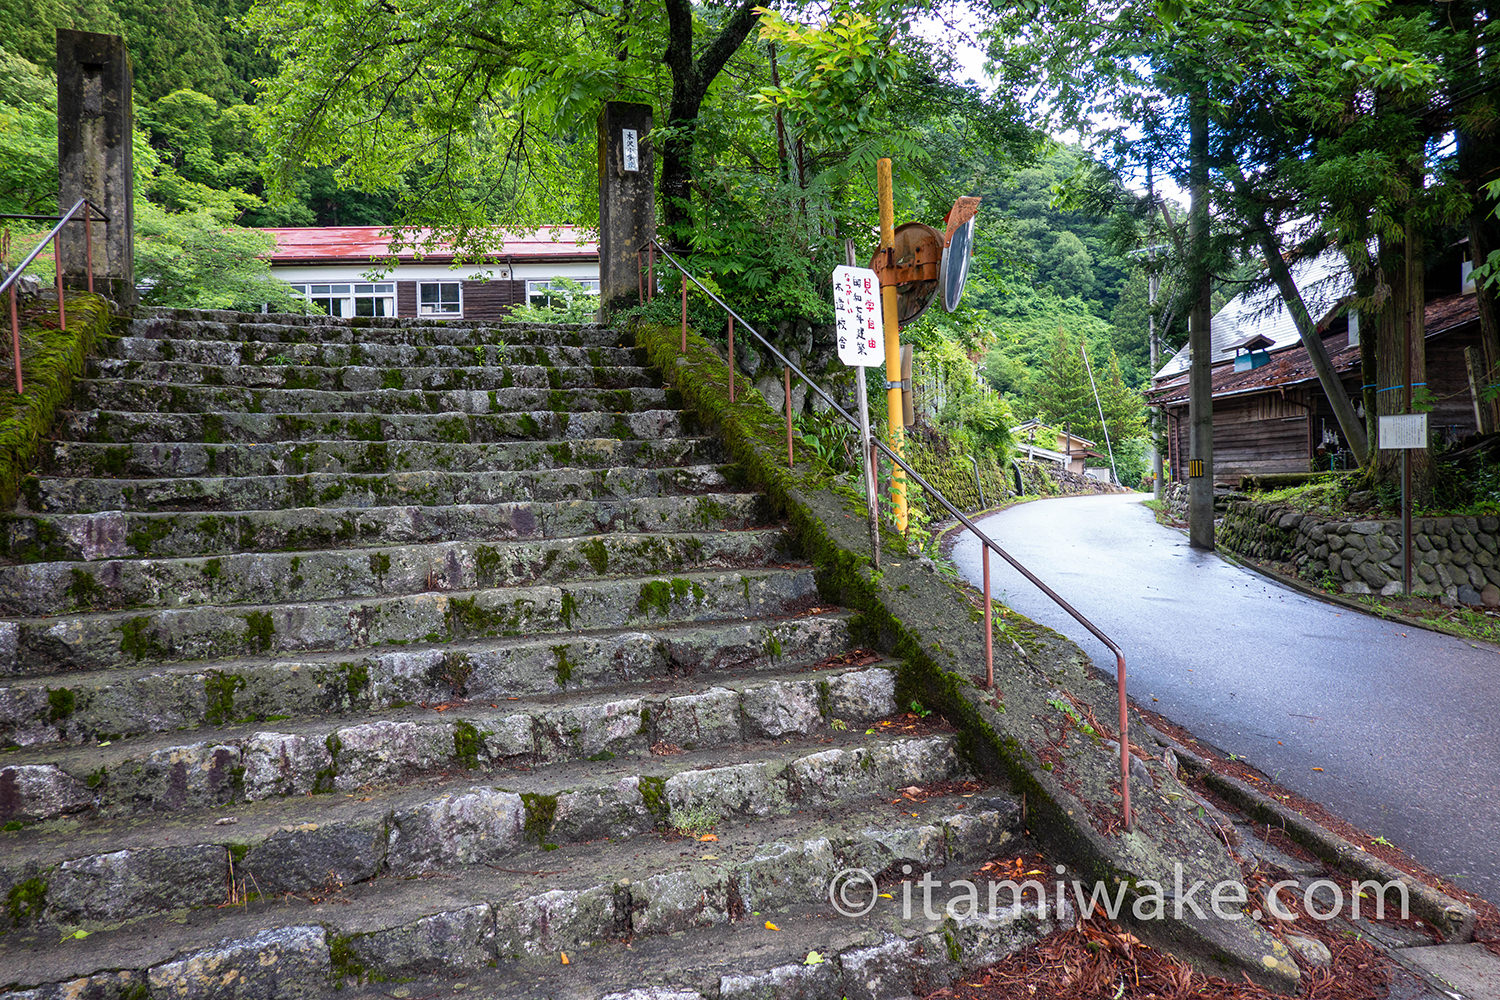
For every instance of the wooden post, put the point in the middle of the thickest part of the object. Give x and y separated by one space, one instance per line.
1481 411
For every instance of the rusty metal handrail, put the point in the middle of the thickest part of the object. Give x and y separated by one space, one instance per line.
986 542
20 269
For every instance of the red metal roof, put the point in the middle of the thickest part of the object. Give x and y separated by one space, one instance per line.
332 244
1292 365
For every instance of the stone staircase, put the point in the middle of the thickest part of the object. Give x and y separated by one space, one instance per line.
341 654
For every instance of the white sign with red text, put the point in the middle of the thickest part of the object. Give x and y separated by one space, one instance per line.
859 323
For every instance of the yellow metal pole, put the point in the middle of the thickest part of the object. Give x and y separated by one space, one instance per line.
896 431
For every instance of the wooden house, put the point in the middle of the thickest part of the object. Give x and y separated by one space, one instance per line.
1036 441
1270 413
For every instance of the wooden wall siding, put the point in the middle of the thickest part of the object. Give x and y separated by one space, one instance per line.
492 299
406 298
1448 380
1248 444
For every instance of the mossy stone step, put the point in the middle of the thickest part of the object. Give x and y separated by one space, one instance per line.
131 534
117 704
451 334
484 815
364 378
385 356
238 764
117 639
152 397
886 955
585 900
153 459
53 588
427 488
127 426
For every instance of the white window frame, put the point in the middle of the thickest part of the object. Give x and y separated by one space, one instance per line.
537 289
342 297
439 312
376 292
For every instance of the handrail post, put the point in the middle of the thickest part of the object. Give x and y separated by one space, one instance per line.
640 279
786 382
684 313
899 464
62 314
731 359
88 245
989 628
1124 741
651 273
15 336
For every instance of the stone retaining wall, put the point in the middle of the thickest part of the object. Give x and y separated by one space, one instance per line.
1453 558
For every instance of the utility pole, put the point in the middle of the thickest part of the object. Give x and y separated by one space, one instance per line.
1200 316
895 420
1153 284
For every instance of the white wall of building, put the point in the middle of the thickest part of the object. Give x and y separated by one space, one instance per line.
307 273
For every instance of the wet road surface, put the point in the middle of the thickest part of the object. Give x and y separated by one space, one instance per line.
1405 723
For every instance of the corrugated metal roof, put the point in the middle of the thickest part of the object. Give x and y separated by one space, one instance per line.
365 243
1323 280
1293 365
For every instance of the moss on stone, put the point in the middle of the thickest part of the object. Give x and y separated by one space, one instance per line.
150 531
54 358
563 670
113 461
454 430
344 962
656 595
136 639
467 744
597 553
25 901
654 796
567 609
218 697
541 810
260 629
356 680
487 564
60 703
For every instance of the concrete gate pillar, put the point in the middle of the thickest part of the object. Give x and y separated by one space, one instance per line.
95 115
627 201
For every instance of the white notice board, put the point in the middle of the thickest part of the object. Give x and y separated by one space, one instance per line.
859 320
1403 432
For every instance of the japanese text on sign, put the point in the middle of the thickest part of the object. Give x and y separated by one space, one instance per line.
858 321
631 149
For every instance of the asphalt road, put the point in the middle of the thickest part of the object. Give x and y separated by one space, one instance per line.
1402 721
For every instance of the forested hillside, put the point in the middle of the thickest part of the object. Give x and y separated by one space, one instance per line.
780 168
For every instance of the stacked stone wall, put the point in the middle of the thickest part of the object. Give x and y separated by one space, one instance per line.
1453 558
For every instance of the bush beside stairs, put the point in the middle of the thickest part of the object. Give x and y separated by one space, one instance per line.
338 654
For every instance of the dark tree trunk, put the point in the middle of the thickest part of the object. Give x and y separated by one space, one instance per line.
1479 164
1400 354
690 81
